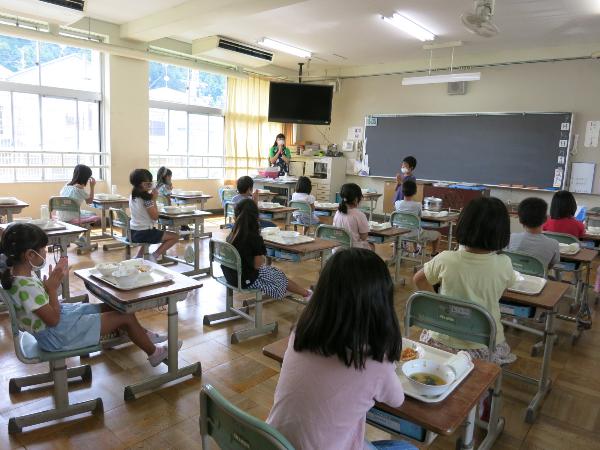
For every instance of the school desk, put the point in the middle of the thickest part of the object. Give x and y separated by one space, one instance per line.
62 238
444 417
176 221
104 205
198 199
391 234
547 300
9 209
288 186
583 319
150 297
319 248
372 198
274 213
446 221
266 196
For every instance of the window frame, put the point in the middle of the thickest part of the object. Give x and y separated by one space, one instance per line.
189 109
66 94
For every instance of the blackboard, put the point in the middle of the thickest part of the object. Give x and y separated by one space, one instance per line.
493 148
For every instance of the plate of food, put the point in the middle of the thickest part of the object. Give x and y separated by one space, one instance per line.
569 249
411 351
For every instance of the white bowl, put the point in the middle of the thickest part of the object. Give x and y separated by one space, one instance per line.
188 209
106 269
428 366
135 263
171 209
39 222
101 196
126 277
22 219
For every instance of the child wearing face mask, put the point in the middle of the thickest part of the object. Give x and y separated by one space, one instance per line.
59 326
408 166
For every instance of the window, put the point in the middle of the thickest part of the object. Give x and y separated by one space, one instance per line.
49 111
168 83
190 144
186 123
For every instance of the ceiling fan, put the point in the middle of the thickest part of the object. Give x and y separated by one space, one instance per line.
479 21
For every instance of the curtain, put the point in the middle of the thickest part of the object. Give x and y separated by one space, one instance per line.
248 134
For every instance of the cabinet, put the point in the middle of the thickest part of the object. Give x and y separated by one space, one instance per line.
327 175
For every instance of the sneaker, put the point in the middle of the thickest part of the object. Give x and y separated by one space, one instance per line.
157 338
81 241
160 354
189 255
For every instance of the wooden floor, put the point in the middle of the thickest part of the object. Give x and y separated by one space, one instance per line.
168 419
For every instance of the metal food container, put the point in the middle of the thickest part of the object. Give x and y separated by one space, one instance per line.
432 203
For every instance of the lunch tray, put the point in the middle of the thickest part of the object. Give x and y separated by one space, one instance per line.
529 286
278 239
155 277
433 354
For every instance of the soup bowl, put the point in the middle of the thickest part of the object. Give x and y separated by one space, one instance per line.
421 372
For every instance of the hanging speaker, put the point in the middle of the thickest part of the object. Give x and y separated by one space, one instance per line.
457 88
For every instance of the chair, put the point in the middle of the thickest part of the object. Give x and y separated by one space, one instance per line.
336 234
463 320
119 218
28 352
66 206
572 267
227 255
305 211
226 194
527 264
232 428
562 238
411 222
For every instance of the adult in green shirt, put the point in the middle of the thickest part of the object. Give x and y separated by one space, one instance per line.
280 155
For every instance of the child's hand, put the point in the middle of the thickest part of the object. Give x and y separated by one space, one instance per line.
154 194
255 196
92 181
55 275
398 178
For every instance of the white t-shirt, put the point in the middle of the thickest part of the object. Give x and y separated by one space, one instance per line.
76 193
140 219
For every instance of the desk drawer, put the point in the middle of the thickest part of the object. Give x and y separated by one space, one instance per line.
384 420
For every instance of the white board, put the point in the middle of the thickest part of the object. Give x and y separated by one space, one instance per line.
582 177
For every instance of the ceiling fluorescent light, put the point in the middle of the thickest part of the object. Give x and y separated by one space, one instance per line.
410 27
445 78
276 45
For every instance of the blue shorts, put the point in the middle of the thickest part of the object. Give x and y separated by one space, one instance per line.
151 236
79 326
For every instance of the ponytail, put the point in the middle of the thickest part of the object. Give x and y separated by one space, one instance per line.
351 194
5 276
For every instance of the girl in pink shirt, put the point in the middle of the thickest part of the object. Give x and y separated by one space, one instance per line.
351 218
341 358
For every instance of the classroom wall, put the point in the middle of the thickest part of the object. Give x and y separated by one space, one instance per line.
557 86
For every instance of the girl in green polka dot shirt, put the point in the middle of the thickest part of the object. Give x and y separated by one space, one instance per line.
59 326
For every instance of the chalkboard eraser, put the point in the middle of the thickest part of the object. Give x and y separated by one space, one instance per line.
517 185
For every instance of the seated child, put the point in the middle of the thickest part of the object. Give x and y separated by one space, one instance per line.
302 193
245 237
351 218
475 273
341 358
532 215
408 166
244 188
164 185
144 213
59 326
562 212
408 205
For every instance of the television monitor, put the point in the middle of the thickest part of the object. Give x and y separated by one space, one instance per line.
300 103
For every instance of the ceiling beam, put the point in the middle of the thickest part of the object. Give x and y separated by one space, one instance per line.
195 15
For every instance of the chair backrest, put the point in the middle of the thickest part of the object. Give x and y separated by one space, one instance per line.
229 209
16 332
232 428
337 234
562 238
64 204
302 207
456 318
119 218
163 199
406 220
227 194
227 255
527 264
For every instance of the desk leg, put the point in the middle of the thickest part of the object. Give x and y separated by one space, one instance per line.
469 431
9 216
114 245
65 285
398 260
495 425
450 229
544 383
174 372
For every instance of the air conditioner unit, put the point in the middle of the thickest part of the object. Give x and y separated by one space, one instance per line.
77 5
228 50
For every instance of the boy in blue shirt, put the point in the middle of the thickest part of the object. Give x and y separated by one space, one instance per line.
408 166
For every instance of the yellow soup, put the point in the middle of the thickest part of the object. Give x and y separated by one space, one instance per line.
428 379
